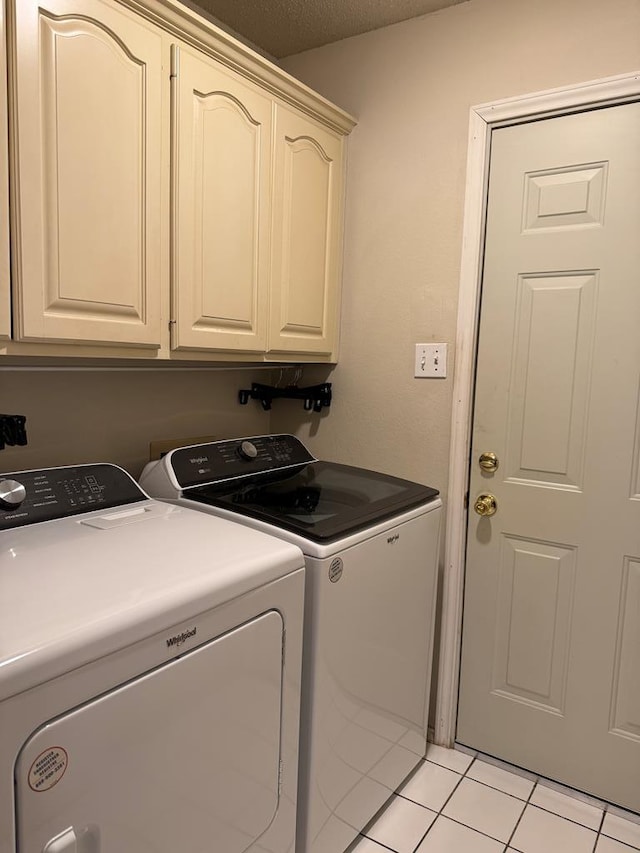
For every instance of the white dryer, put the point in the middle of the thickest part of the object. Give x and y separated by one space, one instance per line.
371 544
150 664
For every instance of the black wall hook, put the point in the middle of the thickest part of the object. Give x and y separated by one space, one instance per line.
12 430
316 397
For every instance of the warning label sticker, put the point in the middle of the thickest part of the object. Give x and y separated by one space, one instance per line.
48 768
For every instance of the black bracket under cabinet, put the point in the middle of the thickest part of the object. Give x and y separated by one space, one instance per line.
316 397
12 430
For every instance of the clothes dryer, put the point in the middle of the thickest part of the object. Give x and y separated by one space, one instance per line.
149 672
371 546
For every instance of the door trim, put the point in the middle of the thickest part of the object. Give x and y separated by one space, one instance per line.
483 119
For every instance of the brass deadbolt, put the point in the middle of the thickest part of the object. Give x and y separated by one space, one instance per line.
488 461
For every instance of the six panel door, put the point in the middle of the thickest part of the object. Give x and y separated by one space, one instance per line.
549 677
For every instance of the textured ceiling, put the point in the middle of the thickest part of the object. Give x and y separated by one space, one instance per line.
285 27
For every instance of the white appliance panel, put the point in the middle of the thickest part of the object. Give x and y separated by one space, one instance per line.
309 548
90 589
366 676
24 713
369 621
112 774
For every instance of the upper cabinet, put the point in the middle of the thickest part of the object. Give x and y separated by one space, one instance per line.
5 280
174 195
307 236
221 209
88 174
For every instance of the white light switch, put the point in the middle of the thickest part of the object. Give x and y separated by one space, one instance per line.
431 361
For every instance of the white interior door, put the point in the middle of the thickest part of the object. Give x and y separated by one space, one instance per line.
186 757
551 638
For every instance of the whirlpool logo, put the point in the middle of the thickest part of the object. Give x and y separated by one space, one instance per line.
392 539
179 639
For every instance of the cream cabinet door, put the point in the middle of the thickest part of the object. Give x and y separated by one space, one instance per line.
307 232
5 281
88 111
221 172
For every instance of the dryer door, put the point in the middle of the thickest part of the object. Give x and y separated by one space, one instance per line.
185 757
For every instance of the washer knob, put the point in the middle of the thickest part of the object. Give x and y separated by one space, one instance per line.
12 494
248 451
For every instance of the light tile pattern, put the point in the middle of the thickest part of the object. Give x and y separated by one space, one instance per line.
450 837
431 785
454 759
403 824
503 780
457 802
569 807
608 845
483 808
622 830
540 831
366 845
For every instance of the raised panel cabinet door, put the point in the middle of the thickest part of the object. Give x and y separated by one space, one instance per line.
88 169
307 236
221 173
5 279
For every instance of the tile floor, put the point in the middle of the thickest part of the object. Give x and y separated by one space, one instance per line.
460 803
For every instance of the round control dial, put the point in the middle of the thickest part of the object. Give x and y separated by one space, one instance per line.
247 451
12 494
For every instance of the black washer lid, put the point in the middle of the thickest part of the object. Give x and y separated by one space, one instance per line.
321 501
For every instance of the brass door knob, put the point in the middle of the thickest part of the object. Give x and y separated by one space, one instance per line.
488 461
486 505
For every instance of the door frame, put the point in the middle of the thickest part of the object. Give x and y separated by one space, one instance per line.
483 119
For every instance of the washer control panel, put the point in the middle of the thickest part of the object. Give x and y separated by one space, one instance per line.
239 457
27 497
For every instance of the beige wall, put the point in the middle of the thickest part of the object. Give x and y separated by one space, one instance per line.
75 417
411 86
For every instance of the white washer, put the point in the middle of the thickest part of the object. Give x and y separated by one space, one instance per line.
371 547
149 673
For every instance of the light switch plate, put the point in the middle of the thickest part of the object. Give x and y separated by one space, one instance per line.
430 361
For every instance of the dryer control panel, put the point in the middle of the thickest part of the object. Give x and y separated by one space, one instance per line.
27 497
240 457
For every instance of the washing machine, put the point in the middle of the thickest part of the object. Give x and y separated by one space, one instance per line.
150 661
371 546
